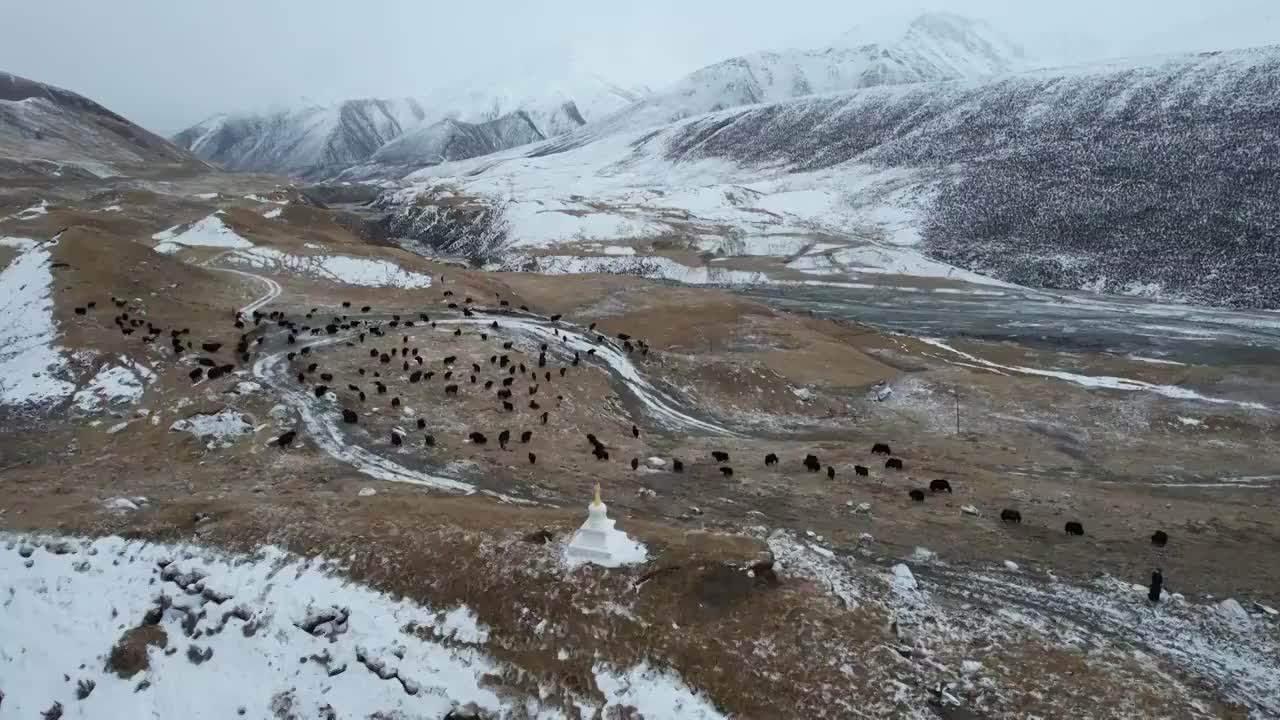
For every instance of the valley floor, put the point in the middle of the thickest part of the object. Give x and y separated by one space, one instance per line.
212 571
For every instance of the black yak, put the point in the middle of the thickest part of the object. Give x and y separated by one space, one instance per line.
1010 516
940 486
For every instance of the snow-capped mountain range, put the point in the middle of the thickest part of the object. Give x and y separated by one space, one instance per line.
551 98
1153 177
934 47
558 98
302 141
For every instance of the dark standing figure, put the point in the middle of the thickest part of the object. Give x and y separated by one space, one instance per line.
1157 582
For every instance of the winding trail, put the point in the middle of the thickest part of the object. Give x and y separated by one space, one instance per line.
322 422
273 289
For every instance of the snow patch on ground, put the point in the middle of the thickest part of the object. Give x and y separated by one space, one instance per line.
654 693
273 213
113 386
360 271
217 430
657 268
34 211
209 232
1099 381
262 635
30 363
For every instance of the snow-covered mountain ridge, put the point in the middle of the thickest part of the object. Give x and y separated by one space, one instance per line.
50 130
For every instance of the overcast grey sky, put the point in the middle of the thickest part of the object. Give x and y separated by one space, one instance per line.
169 63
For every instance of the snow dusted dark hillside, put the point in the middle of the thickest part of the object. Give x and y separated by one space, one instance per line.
455 140
1152 179
54 131
303 142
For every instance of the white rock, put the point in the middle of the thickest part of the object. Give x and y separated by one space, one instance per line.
366 492
923 555
119 504
1267 609
656 462
1011 566
863 508
117 428
969 667
866 539
903 579
969 510
1234 613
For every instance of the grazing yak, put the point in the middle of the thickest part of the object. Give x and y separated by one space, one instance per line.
677 466
422 424
196 374
940 486
831 472
1159 538
635 463
862 470
478 438
720 456
349 417
917 495
893 464
286 439
811 463
395 438
450 389
726 471
533 459
635 432
770 459
503 438
526 436
429 441
881 449
1010 516
1157 582
1074 527
321 390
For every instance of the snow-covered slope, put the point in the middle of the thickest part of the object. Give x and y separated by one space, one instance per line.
306 141
44 127
934 47
1152 177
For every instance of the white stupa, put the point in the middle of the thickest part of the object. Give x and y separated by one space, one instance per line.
597 541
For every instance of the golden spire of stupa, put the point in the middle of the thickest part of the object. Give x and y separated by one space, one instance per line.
597 500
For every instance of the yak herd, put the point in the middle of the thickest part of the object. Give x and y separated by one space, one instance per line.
508 368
